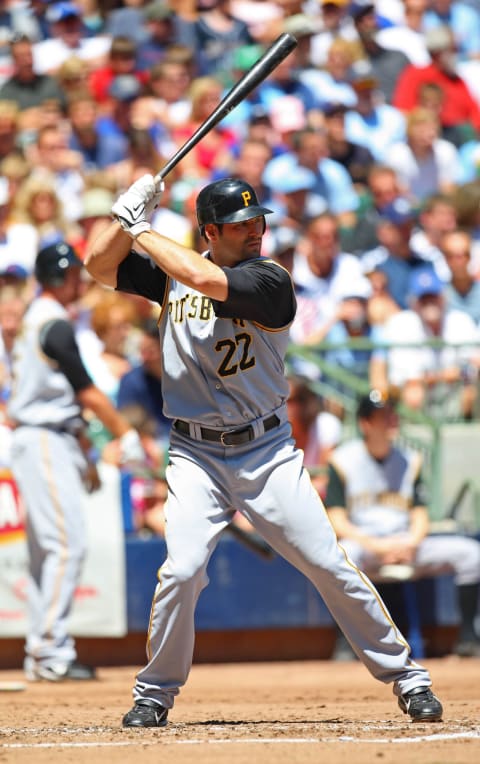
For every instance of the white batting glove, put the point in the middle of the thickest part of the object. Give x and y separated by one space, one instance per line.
131 449
133 207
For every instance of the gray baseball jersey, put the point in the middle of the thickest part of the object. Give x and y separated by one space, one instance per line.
231 449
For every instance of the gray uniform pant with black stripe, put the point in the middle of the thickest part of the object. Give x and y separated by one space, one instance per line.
47 467
264 480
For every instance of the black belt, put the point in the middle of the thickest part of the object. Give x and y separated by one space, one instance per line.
228 437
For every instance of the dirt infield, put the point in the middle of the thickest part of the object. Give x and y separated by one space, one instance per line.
315 711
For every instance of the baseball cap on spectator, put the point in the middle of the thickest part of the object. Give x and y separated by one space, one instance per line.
339 3
375 400
300 25
245 56
360 8
400 211
97 202
158 10
424 281
301 179
125 87
61 11
13 272
334 108
438 39
287 113
360 289
361 75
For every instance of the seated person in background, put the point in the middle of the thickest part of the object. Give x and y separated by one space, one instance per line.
441 380
315 431
377 503
148 488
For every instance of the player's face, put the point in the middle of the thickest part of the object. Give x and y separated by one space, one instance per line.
238 241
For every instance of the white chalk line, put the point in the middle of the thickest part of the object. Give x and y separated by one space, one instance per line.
254 741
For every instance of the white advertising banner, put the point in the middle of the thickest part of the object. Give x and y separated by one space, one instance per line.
99 608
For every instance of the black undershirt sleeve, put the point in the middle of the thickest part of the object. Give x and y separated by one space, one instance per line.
139 275
58 342
335 489
258 290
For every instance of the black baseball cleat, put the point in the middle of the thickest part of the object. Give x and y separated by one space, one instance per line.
421 705
146 713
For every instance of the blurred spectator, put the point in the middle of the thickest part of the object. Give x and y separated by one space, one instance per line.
333 189
12 308
462 291
395 256
52 159
335 22
381 304
437 217
163 26
167 92
440 381
356 159
460 112
216 148
126 21
253 157
9 124
383 189
112 320
148 488
15 168
290 200
88 135
142 157
371 123
37 204
386 65
18 242
72 77
408 36
213 35
142 384
331 83
96 211
67 36
320 273
425 163
121 61
378 504
25 87
314 430
462 19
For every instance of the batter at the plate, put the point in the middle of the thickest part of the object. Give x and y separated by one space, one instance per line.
224 332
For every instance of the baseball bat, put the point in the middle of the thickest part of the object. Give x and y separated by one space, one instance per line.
279 50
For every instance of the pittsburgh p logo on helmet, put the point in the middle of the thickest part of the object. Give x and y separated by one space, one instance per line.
228 201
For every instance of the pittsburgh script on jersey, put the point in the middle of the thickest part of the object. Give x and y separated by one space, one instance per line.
191 306
194 306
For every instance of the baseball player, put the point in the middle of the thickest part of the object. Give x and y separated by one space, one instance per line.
224 332
377 502
51 387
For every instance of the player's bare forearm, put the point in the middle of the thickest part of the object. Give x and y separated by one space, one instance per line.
106 253
185 265
93 399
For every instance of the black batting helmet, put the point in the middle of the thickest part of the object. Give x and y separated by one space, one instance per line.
53 262
228 201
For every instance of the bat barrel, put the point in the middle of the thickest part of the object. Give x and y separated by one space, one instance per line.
259 71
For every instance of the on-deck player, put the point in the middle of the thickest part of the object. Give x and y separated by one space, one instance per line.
51 388
224 332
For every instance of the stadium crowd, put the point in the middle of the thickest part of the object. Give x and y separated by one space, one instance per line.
364 141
